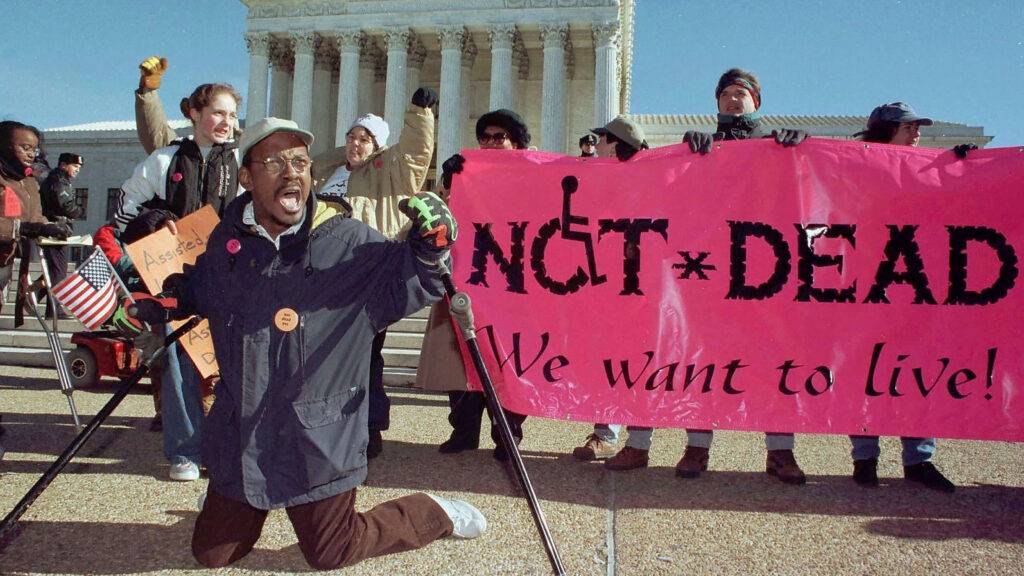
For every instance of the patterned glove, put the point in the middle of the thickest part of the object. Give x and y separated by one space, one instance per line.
151 71
434 229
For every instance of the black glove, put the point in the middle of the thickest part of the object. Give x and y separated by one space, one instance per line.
56 230
434 229
451 166
701 142
155 310
961 150
788 137
424 97
146 223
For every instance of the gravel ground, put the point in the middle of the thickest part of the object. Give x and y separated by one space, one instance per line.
113 511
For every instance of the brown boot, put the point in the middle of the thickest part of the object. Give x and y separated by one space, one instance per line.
693 462
628 458
594 449
782 464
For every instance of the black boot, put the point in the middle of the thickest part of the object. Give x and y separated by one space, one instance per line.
927 474
459 442
865 472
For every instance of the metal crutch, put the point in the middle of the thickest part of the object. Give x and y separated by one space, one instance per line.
126 385
462 311
53 335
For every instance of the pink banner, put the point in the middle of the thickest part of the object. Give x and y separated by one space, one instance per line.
833 287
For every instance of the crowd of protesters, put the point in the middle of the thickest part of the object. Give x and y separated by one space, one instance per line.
336 248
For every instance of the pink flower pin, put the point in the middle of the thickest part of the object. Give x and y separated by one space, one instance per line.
176 177
234 246
378 163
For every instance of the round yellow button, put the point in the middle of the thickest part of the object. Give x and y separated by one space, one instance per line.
286 319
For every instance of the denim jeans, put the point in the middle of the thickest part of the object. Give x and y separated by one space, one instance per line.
181 406
915 450
772 440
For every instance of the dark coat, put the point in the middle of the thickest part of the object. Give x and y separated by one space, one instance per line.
58 197
289 425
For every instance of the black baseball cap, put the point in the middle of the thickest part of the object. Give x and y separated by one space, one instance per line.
898 112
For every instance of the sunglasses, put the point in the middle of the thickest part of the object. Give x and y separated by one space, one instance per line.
497 138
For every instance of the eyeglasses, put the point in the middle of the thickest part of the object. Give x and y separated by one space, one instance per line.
496 137
276 165
28 148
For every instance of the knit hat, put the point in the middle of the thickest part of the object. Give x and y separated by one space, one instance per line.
743 79
69 158
376 126
510 121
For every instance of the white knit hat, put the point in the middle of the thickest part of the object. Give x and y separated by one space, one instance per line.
376 126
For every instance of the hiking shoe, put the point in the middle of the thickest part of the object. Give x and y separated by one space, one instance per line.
375 446
693 462
467 521
184 471
628 458
458 444
865 472
594 448
502 455
926 473
782 464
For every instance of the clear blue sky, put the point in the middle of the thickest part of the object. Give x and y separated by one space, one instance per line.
957 60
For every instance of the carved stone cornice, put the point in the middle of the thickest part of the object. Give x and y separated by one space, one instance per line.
257 43
325 54
521 58
417 54
281 56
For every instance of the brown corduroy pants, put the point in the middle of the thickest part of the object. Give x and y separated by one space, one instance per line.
331 533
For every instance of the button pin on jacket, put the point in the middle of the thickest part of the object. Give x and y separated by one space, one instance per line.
286 320
233 246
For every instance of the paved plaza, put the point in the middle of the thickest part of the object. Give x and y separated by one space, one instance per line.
113 511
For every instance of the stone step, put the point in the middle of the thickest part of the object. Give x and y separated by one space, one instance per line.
32 339
397 357
64 326
404 340
417 325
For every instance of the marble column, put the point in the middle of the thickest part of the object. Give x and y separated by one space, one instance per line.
258 45
469 52
417 56
395 101
552 120
522 65
502 36
367 76
320 117
452 39
303 43
349 43
606 72
280 79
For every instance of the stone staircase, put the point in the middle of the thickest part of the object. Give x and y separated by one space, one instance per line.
27 345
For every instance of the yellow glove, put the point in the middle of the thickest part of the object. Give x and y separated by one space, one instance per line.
152 71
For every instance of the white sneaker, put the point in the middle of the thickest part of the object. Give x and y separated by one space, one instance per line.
185 471
468 521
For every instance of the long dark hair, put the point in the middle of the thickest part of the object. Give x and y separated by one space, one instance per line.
880 132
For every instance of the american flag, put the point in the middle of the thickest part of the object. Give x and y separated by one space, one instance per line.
91 292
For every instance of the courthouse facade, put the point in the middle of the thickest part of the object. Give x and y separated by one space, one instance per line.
564 65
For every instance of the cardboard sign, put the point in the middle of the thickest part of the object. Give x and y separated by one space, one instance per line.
161 254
